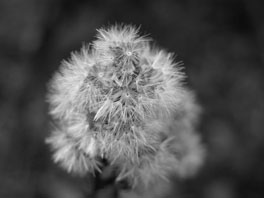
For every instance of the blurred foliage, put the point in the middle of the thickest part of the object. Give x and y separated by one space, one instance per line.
222 45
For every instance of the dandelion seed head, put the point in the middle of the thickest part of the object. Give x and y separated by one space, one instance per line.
117 99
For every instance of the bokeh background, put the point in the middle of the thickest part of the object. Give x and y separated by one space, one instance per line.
222 45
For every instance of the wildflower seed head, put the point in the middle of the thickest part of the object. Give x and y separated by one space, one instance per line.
105 97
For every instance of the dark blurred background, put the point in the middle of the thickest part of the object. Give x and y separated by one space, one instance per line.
222 45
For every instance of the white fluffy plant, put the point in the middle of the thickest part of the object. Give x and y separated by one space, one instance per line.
122 100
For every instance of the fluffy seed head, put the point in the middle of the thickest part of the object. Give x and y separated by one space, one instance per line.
104 98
